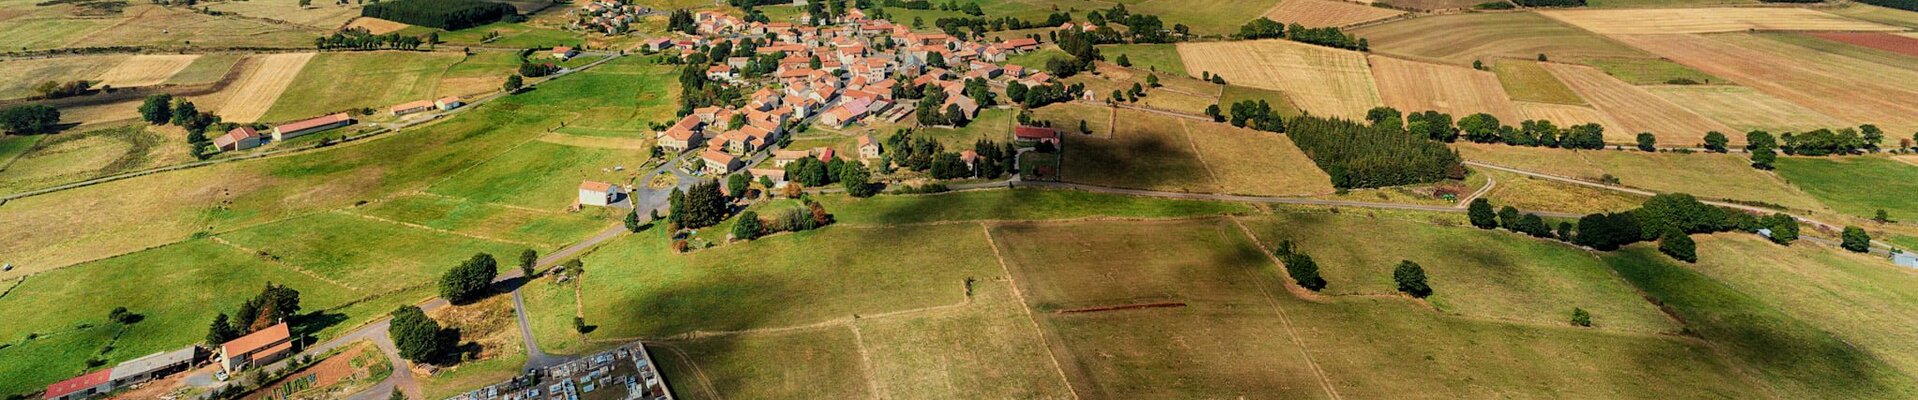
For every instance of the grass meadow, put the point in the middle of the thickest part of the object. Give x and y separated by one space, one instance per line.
334 82
540 175
1013 204
1721 176
1858 186
374 255
549 230
1162 58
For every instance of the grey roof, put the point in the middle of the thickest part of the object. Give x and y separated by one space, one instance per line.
153 362
1905 259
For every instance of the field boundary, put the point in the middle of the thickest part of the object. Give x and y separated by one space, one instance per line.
1209 173
1025 306
436 230
1122 307
865 363
1325 382
275 260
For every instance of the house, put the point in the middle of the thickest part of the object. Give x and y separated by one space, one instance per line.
682 135
1036 134
240 138
598 193
448 103
154 366
718 162
412 107
868 148
721 72
81 387
257 348
783 157
659 44
1020 45
301 128
826 154
971 158
564 52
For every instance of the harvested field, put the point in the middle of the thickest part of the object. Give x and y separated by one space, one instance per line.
1746 109
1708 20
1654 71
146 70
38 33
376 26
988 349
1846 50
1563 115
1429 5
1851 89
1319 80
1414 86
319 15
1716 176
171 28
1883 41
1323 13
1525 80
1539 194
1233 94
22 75
1634 110
1469 37
265 77
1245 161
1882 15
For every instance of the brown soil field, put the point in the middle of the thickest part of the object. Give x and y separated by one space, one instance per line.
264 79
146 70
1323 13
1707 20
1745 109
376 26
1319 80
1633 109
1459 39
1851 89
1564 115
1245 161
1883 41
1415 86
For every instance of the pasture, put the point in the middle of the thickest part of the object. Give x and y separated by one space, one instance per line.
1853 296
1527 81
377 26
1882 15
324 16
41 32
23 75
1245 161
1857 186
1484 37
366 254
1233 94
986 349
1721 176
1745 109
1149 57
208 68
1653 72
154 26
501 223
1014 204
1709 20
73 157
146 70
1851 89
511 34
333 82
1324 13
1320 80
540 175
1412 86
1633 109
1154 152
1538 194
262 80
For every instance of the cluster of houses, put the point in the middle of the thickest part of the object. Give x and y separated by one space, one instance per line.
608 16
852 81
258 348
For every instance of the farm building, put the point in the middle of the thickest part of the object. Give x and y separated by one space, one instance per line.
1036 134
868 148
719 163
257 348
154 365
564 52
448 103
783 157
240 138
659 44
301 128
1905 259
598 193
413 107
81 387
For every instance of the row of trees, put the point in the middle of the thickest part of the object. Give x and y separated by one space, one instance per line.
811 172
1039 96
450 15
1485 128
1262 28
162 109
1666 218
701 206
1378 155
751 226
274 304
29 119
361 39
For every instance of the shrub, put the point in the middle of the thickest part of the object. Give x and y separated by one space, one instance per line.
1480 212
1581 318
747 228
1300 267
1678 245
1855 239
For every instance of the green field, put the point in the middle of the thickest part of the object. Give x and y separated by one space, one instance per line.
377 256
1014 204
993 124
512 34
550 230
1722 176
1652 72
820 364
1162 58
1856 297
23 75
1882 15
628 93
334 82
1539 194
1489 36
47 32
1858 186
1525 80
1665 3
12 146
540 175
204 70
72 157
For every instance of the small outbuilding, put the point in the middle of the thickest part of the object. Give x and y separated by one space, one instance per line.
81 387
598 193
240 138
302 128
153 366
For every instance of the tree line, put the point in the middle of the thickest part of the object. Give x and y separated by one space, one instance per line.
1668 219
1262 28
361 39
450 15
29 119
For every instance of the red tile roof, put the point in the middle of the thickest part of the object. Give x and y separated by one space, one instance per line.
314 123
1032 132
255 341
79 383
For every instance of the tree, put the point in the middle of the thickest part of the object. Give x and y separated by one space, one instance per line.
632 221
1763 158
221 331
1784 228
1532 224
1508 218
1411 279
470 280
528 259
1715 141
748 226
1300 267
32 118
737 184
857 181
1211 111
513 83
1581 318
419 338
1855 239
1647 142
1679 245
184 112
1123 61
157 109
1882 217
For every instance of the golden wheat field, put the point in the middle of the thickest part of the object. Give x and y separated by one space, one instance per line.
1319 80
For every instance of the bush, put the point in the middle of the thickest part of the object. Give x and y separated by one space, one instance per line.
1678 245
747 228
1855 239
1581 318
444 14
1411 279
1480 212
470 280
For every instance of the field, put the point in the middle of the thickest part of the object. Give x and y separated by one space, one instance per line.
46 31
1099 119
1709 20
815 363
1724 176
1429 5
24 74
1323 13
1412 86
490 325
516 35
1538 194
540 175
1847 88
174 28
334 82
1154 152
207 68
78 156
1149 57
146 70
1830 43
1233 94
1882 15
1564 115
1319 80
1016 204
1745 109
363 253
500 223
1881 41
318 16
377 26
1633 109
1653 72
262 80
1484 37
1526 80
1666 3
1858 186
